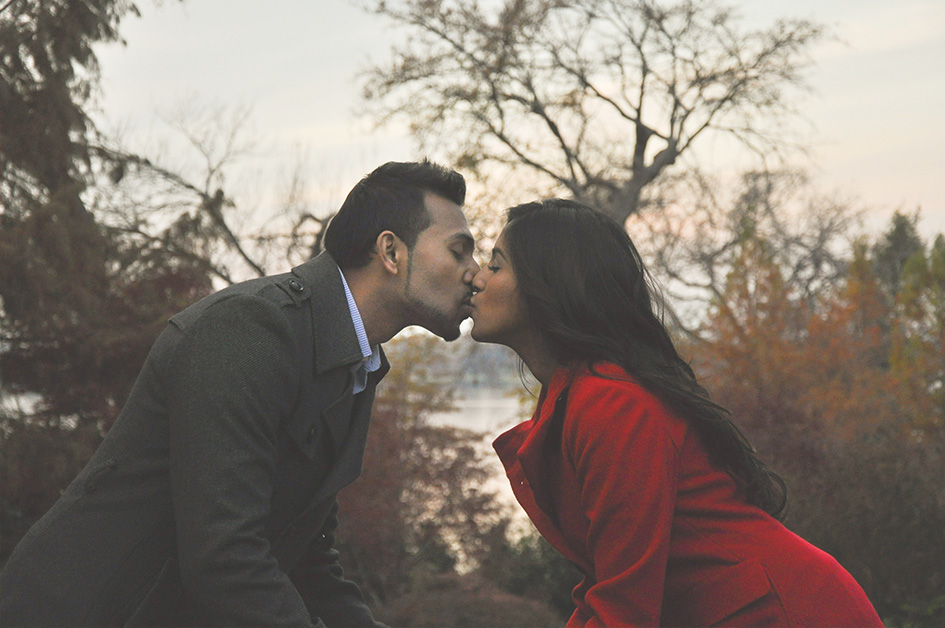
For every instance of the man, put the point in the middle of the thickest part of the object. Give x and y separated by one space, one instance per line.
212 499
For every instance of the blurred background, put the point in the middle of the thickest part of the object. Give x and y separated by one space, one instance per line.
781 168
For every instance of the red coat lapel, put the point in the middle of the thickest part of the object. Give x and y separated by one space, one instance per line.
530 453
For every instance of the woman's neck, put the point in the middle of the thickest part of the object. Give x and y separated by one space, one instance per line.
537 357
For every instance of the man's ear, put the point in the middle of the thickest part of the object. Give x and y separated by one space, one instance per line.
391 251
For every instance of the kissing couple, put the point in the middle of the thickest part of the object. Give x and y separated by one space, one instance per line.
212 499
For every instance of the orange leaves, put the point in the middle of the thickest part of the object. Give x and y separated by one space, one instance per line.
869 352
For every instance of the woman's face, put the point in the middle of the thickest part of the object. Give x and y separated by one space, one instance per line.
499 313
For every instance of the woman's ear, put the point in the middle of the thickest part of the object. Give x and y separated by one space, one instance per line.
391 251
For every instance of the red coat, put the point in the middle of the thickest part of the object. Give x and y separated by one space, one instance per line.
625 490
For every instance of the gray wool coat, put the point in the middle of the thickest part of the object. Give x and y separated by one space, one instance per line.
212 500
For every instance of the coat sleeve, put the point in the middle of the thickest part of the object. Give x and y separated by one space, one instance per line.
230 381
618 441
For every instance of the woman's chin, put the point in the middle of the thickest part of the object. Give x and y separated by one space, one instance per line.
477 333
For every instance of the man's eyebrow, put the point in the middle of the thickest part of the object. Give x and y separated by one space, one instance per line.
463 237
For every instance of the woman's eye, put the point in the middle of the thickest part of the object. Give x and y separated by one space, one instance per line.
492 268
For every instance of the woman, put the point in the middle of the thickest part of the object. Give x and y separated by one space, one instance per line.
627 468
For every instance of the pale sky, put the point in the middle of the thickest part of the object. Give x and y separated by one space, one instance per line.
877 109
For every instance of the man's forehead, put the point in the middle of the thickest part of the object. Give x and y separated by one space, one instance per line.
447 218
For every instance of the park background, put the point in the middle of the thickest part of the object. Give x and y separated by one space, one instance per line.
787 193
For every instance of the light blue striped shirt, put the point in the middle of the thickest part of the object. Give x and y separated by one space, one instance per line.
372 356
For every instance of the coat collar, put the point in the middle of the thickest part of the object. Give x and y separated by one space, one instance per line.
336 342
526 441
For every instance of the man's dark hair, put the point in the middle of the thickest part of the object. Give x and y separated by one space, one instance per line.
389 199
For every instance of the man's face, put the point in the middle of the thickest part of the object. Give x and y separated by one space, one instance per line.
440 270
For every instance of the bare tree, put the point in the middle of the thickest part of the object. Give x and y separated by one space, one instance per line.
695 236
596 97
194 201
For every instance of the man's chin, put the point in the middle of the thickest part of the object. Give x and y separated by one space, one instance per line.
447 330
449 335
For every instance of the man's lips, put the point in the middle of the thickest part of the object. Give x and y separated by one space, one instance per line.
467 305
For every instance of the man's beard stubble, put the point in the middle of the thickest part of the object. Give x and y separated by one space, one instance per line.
427 316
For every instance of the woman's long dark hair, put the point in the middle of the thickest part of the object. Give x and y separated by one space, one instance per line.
589 294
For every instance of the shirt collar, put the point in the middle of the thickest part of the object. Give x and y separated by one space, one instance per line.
372 357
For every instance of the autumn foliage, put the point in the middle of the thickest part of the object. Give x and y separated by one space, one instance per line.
421 506
843 395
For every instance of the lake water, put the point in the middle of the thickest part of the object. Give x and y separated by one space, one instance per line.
490 411
484 409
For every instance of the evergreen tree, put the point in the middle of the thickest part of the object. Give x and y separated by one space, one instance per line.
80 303
892 252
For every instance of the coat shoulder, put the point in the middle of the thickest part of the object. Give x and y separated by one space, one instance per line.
610 385
276 290
604 399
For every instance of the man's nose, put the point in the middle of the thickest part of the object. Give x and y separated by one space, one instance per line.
471 272
477 282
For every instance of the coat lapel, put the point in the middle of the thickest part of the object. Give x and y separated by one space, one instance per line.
331 412
357 420
345 417
336 343
531 454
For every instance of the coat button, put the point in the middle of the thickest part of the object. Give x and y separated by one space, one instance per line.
311 435
296 285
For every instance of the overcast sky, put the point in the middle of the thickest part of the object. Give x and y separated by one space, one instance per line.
877 110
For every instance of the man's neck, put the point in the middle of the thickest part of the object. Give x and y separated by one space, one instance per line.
380 320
